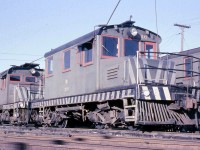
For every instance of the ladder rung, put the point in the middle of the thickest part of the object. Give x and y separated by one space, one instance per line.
130 118
128 96
129 106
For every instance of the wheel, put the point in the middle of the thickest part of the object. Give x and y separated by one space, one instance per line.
63 124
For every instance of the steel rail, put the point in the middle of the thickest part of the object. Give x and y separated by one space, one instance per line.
108 141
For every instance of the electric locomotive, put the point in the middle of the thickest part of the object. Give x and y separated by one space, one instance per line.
113 76
19 85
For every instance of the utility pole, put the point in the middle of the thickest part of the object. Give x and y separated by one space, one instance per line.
182 27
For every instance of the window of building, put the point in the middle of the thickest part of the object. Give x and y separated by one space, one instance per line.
30 79
66 60
49 66
109 47
188 67
15 78
130 47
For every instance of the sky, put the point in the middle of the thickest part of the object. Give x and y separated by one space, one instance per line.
30 28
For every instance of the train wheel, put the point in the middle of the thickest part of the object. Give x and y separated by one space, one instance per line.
47 118
132 128
63 124
100 126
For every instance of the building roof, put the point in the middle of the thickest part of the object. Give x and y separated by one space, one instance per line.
183 53
190 51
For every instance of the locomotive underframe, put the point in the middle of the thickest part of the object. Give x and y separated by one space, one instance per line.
104 109
111 108
122 112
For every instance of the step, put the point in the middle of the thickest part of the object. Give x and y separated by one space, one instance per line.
130 118
130 106
128 96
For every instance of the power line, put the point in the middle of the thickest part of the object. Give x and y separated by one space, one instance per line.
18 54
196 23
36 60
187 46
168 40
14 60
168 43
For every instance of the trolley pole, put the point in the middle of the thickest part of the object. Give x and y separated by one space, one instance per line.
182 27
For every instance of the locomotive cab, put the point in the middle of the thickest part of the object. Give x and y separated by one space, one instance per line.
118 64
103 57
20 84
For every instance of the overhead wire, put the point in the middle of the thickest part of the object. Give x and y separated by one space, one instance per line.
18 54
15 60
36 59
188 21
169 42
186 44
156 15
113 12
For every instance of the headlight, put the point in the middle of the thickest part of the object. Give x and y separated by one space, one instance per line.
146 93
33 71
21 105
133 31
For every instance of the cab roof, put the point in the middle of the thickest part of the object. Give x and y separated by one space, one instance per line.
26 66
90 36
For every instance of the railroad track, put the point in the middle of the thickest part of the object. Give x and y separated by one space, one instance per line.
68 131
82 140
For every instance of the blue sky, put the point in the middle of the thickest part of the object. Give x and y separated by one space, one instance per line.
30 28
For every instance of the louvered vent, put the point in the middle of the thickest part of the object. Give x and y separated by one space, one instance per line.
112 73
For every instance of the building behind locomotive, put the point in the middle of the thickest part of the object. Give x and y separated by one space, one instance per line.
17 84
187 76
98 61
188 61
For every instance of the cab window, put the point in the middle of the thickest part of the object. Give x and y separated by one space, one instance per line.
49 66
109 47
150 48
15 78
86 53
130 47
30 79
67 60
2 84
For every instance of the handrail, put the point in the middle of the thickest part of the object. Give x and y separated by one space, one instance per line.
169 56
